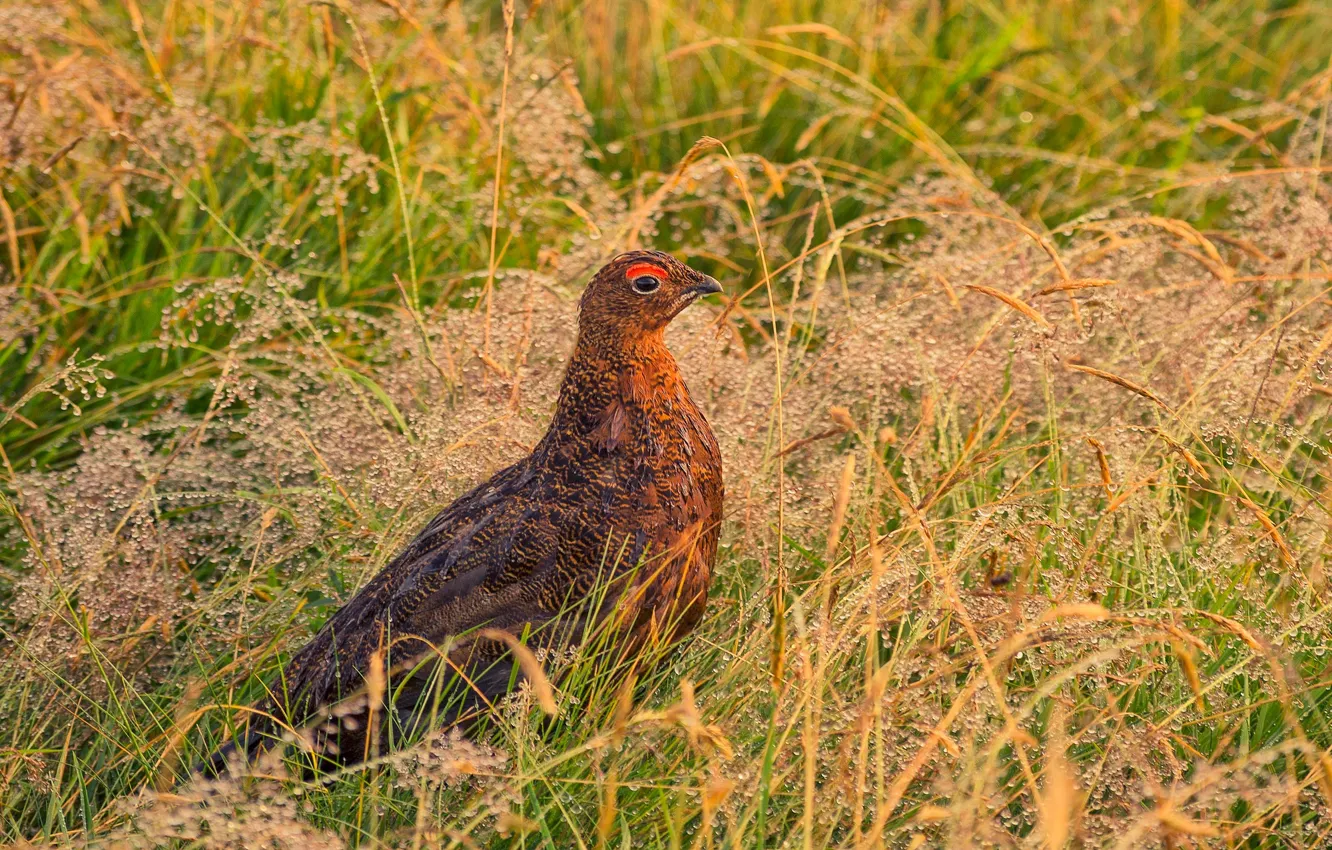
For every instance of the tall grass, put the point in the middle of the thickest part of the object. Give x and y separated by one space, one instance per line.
1021 387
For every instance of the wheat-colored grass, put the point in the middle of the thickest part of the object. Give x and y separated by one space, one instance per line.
1021 382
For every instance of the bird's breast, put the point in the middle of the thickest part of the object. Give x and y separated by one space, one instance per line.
634 450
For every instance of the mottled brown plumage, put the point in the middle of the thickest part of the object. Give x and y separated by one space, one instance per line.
623 495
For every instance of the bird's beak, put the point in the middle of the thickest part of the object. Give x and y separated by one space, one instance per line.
707 286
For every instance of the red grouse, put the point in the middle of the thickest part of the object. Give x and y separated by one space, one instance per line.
611 521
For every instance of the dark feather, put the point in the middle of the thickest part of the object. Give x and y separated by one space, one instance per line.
627 471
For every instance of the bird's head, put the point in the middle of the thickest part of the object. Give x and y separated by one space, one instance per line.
639 292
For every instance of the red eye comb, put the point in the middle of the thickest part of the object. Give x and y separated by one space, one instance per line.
640 269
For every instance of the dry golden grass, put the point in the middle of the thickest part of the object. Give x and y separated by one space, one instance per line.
1021 384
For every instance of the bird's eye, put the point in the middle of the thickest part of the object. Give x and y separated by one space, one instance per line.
645 284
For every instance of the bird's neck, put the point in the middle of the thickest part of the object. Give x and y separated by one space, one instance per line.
621 346
629 370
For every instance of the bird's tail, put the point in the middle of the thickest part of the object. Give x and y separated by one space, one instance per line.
246 748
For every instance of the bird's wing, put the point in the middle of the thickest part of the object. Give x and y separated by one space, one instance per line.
464 571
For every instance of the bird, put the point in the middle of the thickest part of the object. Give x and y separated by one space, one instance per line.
610 526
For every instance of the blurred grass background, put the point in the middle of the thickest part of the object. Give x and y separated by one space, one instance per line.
1056 107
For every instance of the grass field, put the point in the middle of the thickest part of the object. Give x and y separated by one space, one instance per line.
1022 382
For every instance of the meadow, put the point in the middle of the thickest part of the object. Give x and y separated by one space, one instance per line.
1021 376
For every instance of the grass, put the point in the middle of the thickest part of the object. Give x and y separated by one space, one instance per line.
1022 392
